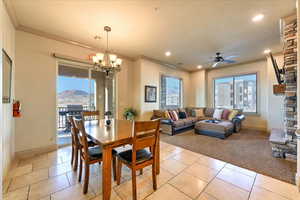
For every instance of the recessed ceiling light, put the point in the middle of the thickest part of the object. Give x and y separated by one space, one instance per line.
199 66
258 18
266 51
168 53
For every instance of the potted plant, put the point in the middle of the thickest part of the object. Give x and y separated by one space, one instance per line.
130 113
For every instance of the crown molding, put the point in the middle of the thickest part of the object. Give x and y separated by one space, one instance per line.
166 64
11 12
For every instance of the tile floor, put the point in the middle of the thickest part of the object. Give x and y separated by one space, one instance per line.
185 175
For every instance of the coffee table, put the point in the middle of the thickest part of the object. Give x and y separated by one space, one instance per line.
215 128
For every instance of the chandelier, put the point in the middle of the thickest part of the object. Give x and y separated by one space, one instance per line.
106 62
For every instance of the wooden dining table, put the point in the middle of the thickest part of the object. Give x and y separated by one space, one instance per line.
119 133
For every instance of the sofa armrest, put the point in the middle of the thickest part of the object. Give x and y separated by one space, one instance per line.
238 118
166 121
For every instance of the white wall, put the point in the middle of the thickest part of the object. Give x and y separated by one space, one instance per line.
7 121
149 73
36 88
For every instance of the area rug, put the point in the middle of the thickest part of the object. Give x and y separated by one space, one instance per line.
249 149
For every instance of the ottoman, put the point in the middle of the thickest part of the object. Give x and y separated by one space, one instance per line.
214 128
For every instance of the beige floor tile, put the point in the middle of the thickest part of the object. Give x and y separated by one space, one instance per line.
113 196
164 155
201 171
163 177
28 179
46 198
74 192
279 187
188 184
60 169
205 196
236 178
95 183
172 149
47 187
19 194
19 171
211 162
186 158
241 170
222 190
45 163
144 188
173 166
32 159
167 192
259 193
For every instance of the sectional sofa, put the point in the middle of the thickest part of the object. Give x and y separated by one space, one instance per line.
173 127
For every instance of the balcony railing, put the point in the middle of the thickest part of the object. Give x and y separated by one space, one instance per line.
62 115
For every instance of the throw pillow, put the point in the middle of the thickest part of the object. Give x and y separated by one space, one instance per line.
167 116
182 115
218 114
225 114
175 114
209 112
233 114
199 112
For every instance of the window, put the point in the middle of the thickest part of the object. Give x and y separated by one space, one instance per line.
170 92
236 92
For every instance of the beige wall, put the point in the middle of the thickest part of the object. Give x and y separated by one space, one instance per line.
7 121
198 88
148 73
36 88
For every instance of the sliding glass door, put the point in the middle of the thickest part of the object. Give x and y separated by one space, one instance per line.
81 89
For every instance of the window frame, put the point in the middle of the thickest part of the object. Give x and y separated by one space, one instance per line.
180 90
233 78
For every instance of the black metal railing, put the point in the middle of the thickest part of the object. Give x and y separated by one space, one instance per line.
62 115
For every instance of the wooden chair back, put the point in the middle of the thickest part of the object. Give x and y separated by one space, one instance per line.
91 115
146 134
82 138
74 131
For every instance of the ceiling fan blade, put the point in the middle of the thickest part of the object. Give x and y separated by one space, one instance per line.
229 61
229 57
215 64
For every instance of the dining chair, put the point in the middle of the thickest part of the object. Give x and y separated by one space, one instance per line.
145 142
91 115
89 155
75 143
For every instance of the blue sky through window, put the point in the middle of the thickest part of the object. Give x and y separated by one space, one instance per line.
73 83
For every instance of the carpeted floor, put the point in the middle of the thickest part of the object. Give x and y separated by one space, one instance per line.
248 149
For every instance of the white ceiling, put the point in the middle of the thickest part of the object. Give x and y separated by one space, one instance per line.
193 30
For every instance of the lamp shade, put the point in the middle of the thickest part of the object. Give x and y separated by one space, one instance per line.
119 61
100 56
112 57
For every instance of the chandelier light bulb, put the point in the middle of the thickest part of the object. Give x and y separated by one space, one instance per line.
112 58
100 56
119 61
95 59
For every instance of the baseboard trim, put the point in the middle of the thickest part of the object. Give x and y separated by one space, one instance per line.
36 151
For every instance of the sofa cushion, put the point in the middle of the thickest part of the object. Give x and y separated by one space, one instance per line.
193 119
199 112
225 114
218 114
188 122
182 115
209 112
178 123
159 113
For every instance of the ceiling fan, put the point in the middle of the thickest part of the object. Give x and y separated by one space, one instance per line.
219 59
